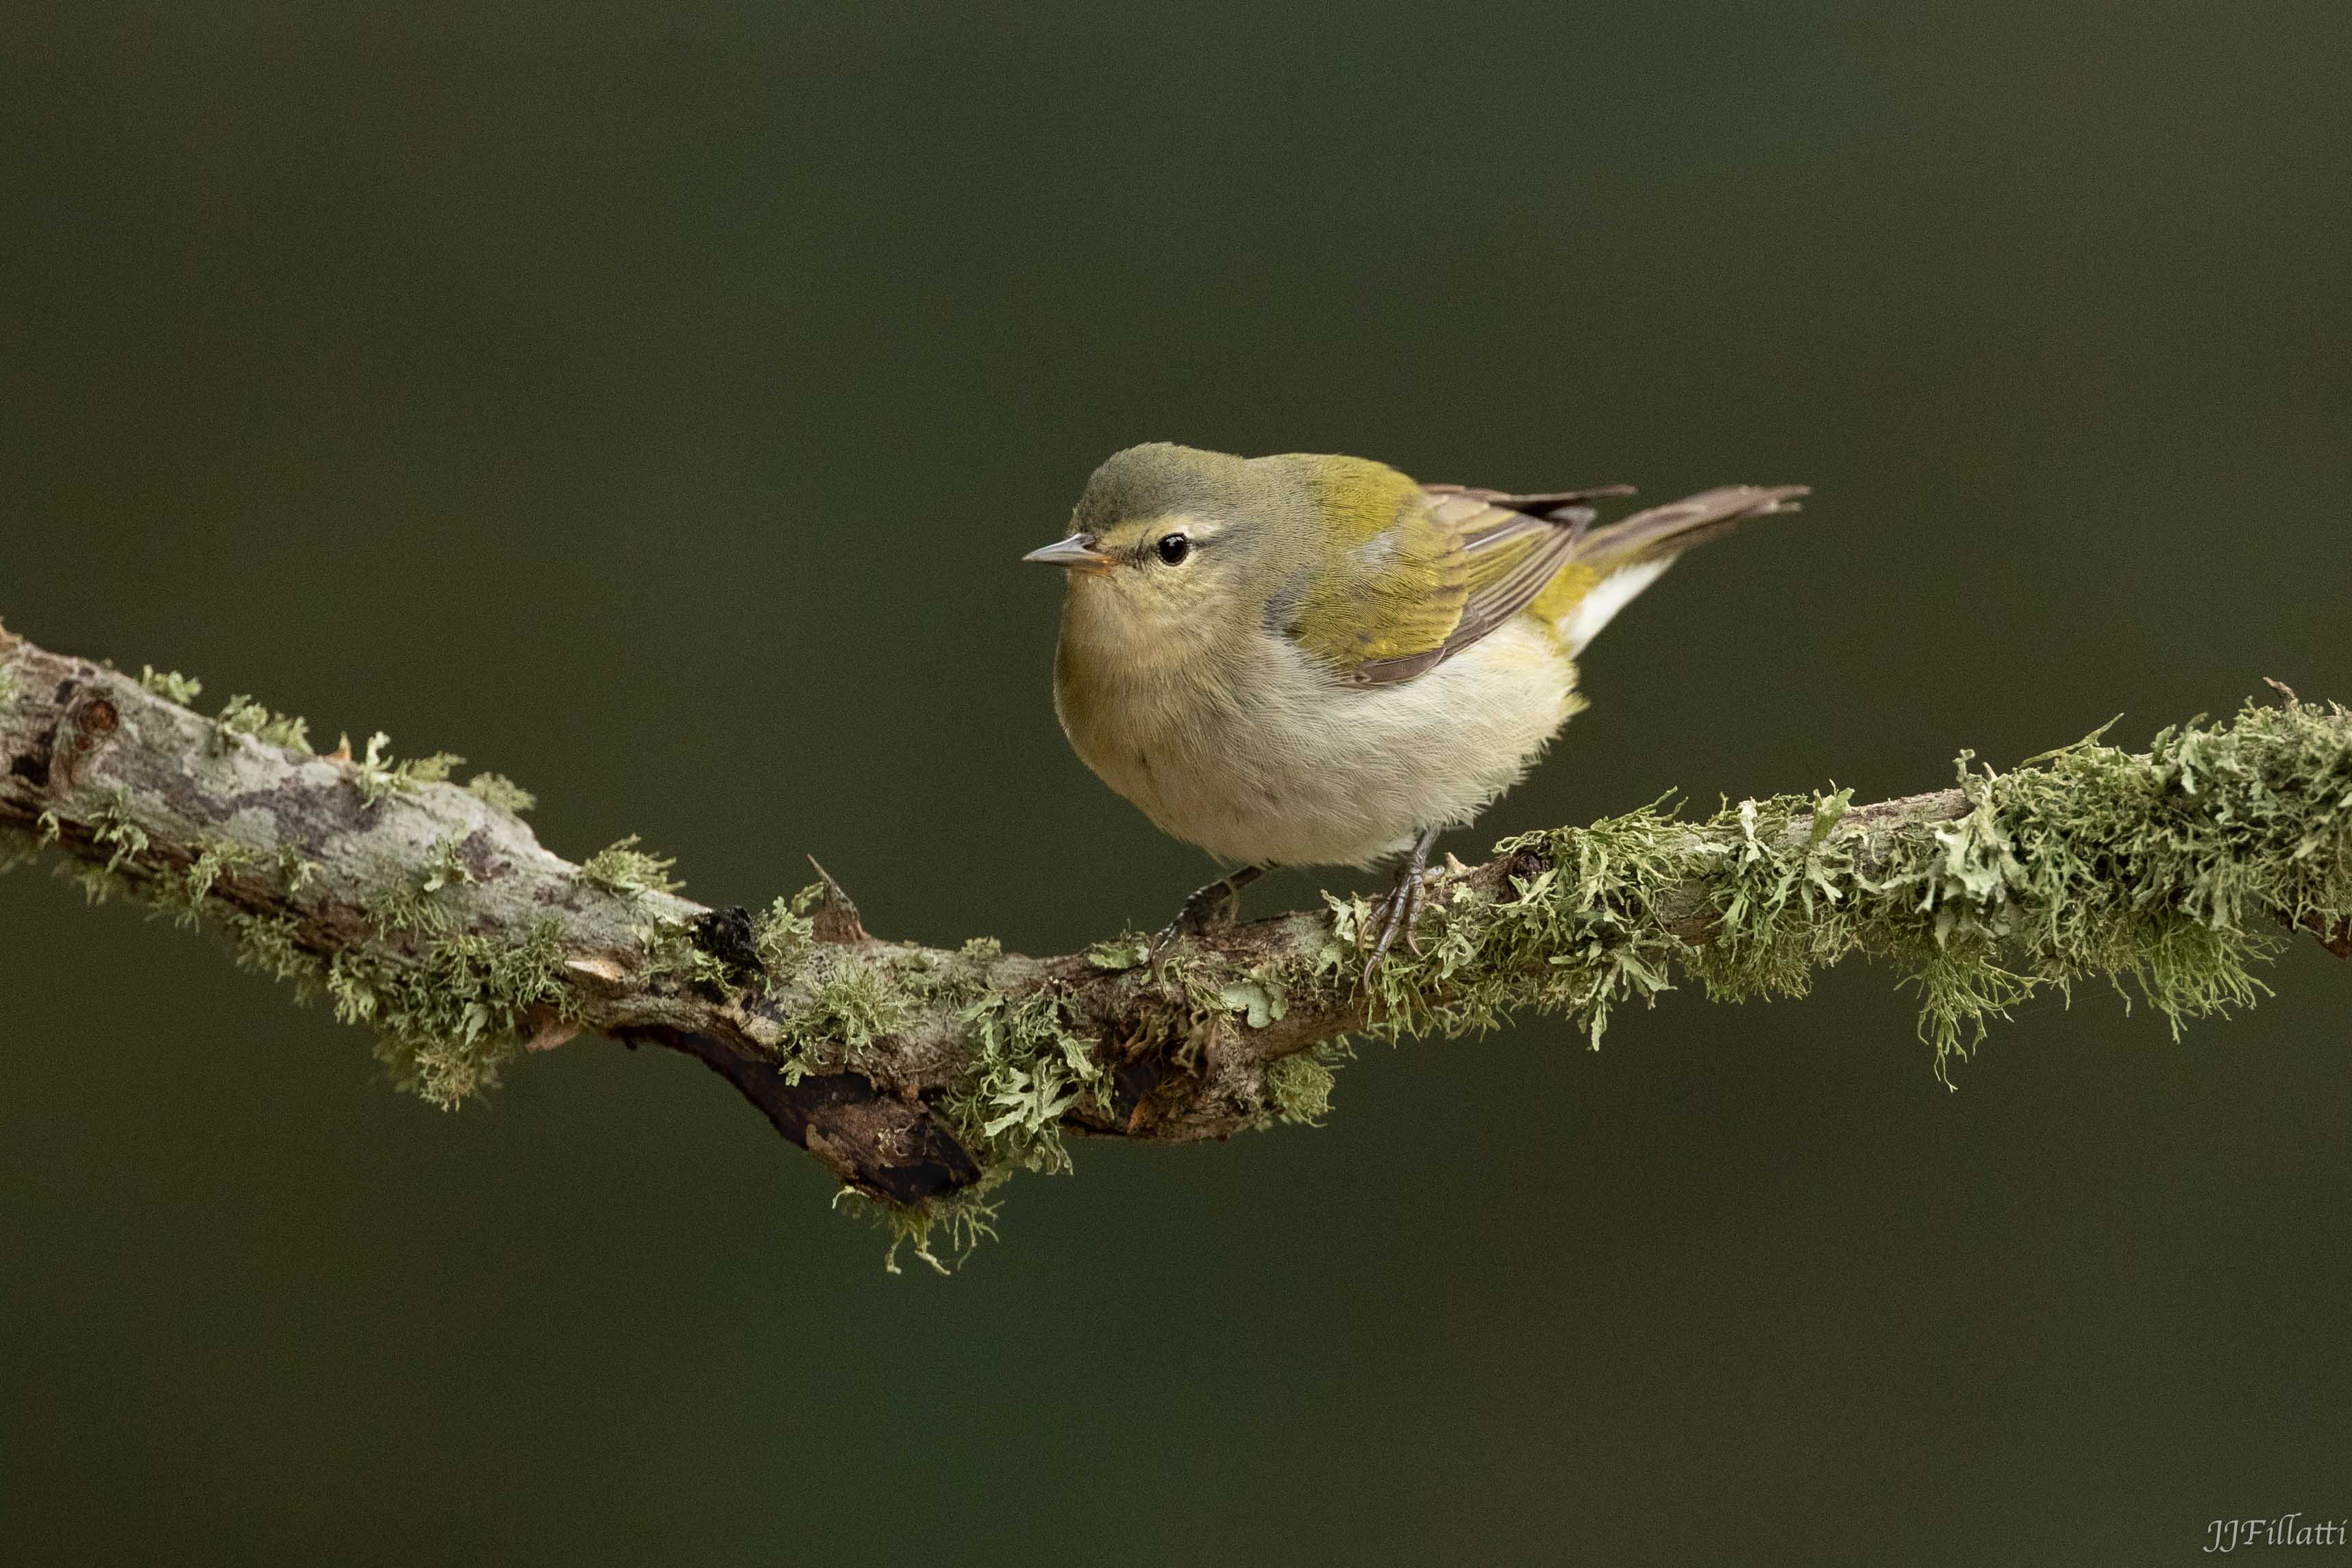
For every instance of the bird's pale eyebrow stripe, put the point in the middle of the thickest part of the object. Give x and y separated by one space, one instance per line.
1137 537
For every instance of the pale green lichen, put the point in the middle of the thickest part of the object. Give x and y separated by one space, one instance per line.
444 864
97 885
170 685
184 891
1028 1064
213 857
410 903
785 931
271 945
18 848
1300 1086
1129 950
625 869
448 1007
244 717
833 1002
113 828
2159 873
502 793
1258 998
449 1017
1026 1067
379 776
965 1219
1215 997
851 1002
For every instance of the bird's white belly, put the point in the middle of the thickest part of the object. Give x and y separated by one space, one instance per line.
1279 766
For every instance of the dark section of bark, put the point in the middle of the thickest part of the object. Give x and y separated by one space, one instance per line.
880 1144
2338 941
726 934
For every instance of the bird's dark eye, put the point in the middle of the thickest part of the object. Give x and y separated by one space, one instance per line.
1174 548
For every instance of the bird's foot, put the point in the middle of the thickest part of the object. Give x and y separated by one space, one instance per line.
1217 904
1399 911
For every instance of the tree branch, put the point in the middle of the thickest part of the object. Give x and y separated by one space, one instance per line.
430 913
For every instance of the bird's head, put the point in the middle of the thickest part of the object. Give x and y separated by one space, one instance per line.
1169 537
1164 535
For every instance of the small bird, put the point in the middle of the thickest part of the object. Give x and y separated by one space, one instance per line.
1313 660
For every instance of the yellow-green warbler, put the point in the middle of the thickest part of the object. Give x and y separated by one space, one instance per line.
1307 660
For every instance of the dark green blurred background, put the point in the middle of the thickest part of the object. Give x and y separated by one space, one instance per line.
652 403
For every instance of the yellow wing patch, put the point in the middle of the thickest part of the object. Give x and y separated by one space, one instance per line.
1404 568
1561 595
1382 583
1358 500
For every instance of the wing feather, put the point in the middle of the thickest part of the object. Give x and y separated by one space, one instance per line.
1476 558
1501 553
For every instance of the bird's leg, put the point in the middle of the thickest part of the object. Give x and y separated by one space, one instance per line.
1401 909
1218 903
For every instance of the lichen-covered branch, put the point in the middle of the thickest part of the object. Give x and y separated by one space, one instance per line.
427 911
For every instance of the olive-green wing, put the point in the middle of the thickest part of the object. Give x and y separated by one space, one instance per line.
1488 555
1468 560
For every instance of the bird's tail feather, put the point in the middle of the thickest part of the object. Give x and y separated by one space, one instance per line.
1670 529
1614 564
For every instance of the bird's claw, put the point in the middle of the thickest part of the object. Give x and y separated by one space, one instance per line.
1401 909
1207 909
1399 913
1204 911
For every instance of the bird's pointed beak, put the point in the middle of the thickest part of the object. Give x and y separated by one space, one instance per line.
1076 551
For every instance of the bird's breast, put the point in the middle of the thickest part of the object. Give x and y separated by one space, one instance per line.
1258 755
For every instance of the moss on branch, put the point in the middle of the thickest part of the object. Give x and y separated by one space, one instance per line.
922 1077
2169 873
